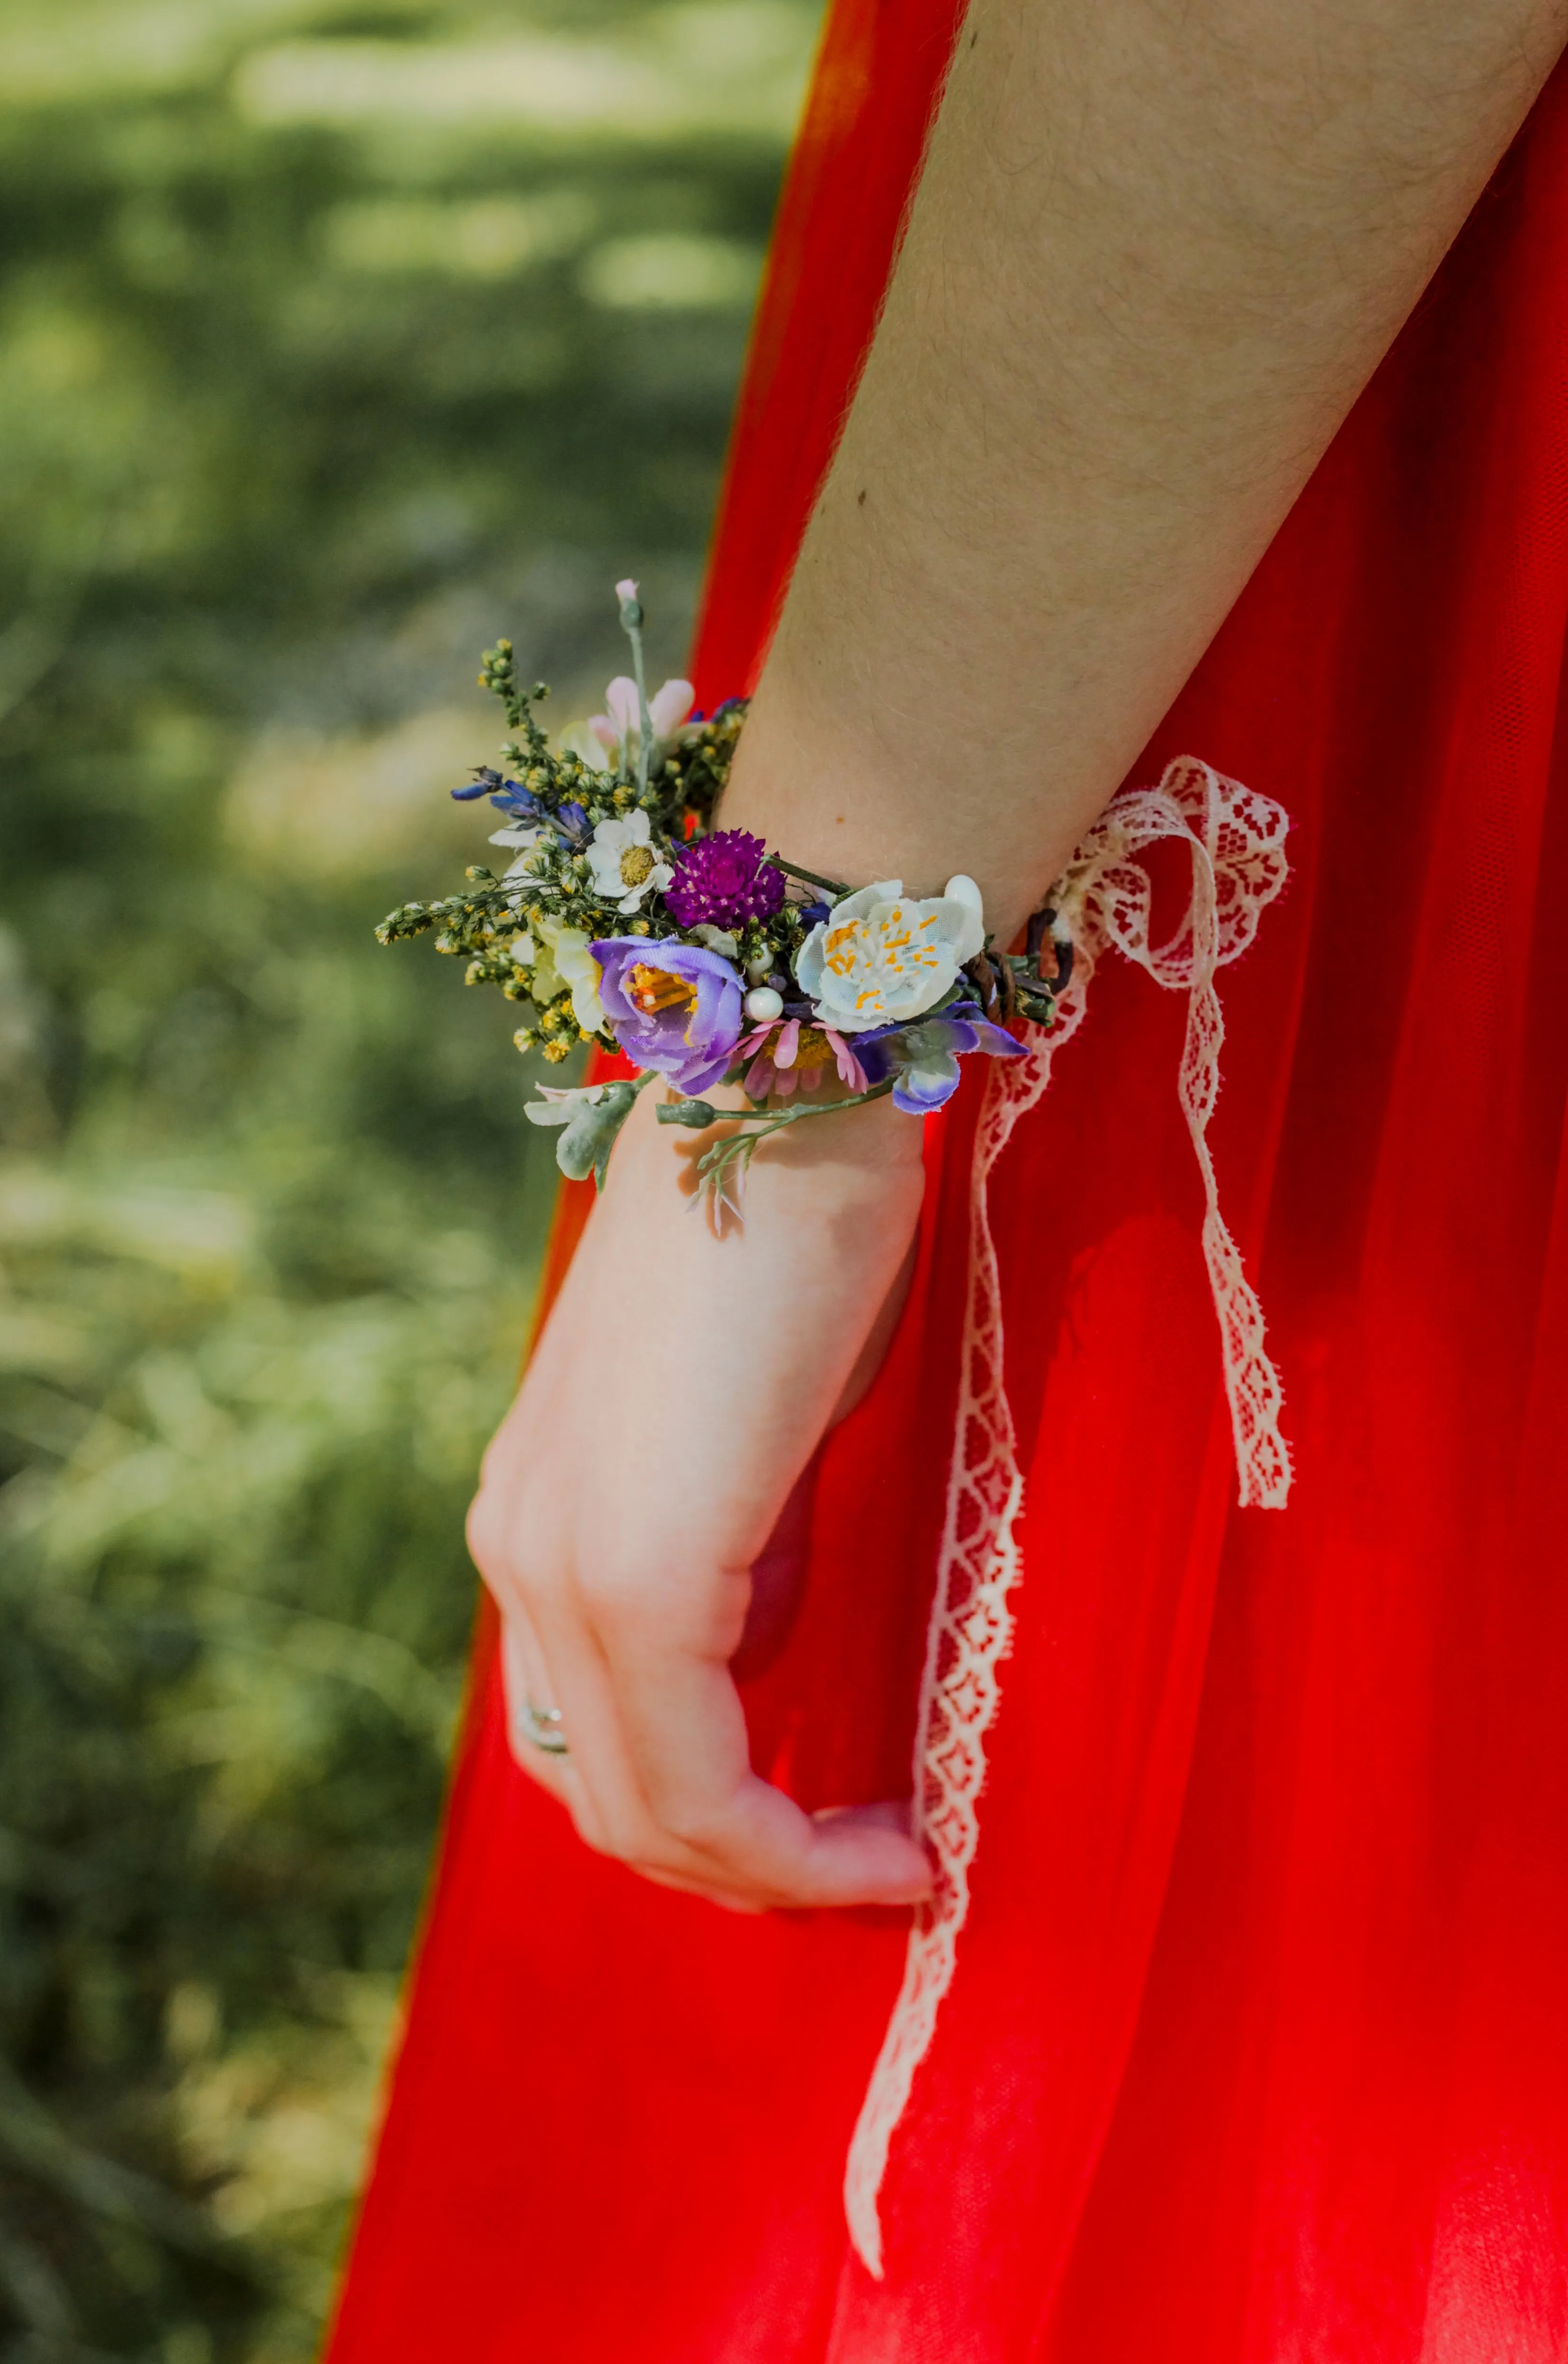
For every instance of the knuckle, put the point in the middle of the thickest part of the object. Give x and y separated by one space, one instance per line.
485 1534
495 1537
694 1824
596 1834
614 1590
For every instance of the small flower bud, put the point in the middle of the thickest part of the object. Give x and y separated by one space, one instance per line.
696 1115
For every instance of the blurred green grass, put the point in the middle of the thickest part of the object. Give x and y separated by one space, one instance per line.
334 340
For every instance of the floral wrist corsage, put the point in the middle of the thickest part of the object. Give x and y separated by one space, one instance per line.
626 919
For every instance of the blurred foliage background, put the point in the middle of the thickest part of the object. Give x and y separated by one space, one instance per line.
336 338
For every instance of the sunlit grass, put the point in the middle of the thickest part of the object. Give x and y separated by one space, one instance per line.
704 66
325 355
672 272
482 238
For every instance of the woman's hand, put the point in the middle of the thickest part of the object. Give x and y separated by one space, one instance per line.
680 1387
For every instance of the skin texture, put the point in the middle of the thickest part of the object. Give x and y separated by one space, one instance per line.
1156 253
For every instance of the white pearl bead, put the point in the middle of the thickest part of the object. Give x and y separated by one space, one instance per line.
763 1004
963 889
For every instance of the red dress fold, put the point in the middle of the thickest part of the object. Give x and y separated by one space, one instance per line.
1255 2052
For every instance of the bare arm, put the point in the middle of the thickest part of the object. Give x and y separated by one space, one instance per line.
1157 251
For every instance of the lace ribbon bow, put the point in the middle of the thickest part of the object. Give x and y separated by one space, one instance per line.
1236 842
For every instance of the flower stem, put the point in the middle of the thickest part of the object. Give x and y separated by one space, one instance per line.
644 719
745 1145
793 870
771 1120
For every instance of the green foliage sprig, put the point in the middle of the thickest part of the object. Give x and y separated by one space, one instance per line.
676 781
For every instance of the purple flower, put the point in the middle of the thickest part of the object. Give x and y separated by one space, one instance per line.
483 782
516 800
672 1006
722 882
923 1054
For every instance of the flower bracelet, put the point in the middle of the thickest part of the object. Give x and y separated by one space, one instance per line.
627 920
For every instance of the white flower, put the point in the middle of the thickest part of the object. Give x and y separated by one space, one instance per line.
563 964
523 836
560 1107
524 950
620 726
582 740
880 956
624 865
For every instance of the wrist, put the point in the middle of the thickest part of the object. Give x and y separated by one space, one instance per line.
850 801
710 956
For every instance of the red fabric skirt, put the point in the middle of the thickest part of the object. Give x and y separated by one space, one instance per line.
1257 2048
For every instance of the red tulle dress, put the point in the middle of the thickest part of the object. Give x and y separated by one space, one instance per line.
1253 2048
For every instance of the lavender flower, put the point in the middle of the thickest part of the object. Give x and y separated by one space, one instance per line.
923 1056
722 881
672 1006
485 783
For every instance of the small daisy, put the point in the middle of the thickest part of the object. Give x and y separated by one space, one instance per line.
624 865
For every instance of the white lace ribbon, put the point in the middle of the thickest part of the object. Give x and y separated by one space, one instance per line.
1236 843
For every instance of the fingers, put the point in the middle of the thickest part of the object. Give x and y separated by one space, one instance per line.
658 1777
658 1773
656 1770
526 1683
681 1747
641 1469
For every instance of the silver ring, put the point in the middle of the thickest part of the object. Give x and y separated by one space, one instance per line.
544 1729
